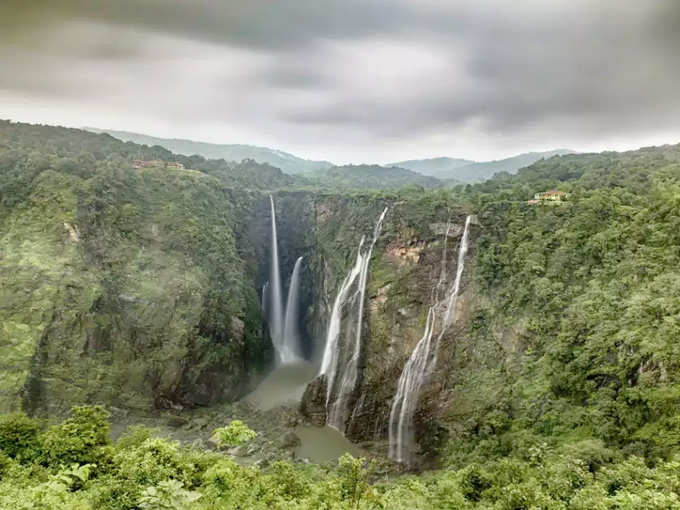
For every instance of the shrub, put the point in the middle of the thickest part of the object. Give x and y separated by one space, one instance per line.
234 434
19 436
77 440
134 436
169 495
473 483
154 461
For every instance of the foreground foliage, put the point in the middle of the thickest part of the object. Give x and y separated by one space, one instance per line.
74 465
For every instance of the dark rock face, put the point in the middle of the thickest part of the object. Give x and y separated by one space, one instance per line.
370 418
313 404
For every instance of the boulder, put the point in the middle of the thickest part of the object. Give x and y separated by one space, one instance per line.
313 404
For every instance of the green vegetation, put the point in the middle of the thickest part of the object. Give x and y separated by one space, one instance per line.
230 152
455 171
121 285
74 465
234 434
559 388
591 291
376 177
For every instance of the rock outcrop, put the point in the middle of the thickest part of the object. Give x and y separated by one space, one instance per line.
313 404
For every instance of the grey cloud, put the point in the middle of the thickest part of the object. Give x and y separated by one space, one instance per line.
260 24
561 70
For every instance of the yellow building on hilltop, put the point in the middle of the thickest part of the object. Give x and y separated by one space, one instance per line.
552 196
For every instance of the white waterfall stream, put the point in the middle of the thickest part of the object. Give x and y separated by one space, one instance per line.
282 330
343 345
423 359
290 347
275 304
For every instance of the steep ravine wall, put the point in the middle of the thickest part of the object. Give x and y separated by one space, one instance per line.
405 267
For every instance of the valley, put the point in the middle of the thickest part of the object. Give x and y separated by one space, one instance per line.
478 350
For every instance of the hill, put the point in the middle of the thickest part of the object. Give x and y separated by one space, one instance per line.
372 177
230 152
477 172
441 168
461 170
141 263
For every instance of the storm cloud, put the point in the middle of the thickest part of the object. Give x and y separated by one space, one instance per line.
369 80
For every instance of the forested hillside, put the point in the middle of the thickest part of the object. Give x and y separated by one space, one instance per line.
130 281
454 170
230 152
119 284
375 177
585 293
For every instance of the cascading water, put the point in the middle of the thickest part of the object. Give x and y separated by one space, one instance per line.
283 330
329 362
290 346
275 306
423 359
343 347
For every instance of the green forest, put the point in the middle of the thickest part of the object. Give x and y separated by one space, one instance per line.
578 408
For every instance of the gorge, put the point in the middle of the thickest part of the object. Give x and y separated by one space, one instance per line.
184 298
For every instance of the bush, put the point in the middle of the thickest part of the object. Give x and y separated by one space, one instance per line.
77 440
19 436
234 434
169 495
134 436
473 483
5 463
154 461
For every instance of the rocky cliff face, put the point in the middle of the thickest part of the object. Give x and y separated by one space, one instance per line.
406 265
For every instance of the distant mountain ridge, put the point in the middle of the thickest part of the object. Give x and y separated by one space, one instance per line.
462 170
289 163
372 177
427 172
440 167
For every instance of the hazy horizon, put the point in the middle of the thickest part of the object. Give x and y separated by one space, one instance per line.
352 81
358 162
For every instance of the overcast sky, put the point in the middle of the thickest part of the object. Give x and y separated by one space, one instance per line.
351 80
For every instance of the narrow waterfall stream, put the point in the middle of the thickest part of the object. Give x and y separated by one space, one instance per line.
283 330
343 345
290 348
423 359
275 303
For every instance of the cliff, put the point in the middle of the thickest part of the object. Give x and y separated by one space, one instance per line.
123 286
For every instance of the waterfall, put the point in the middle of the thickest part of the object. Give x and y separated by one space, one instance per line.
290 347
343 347
275 305
423 359
329 362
